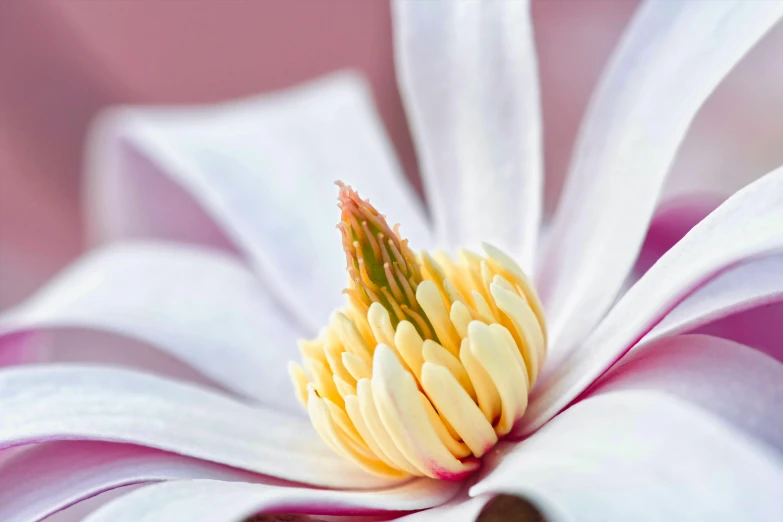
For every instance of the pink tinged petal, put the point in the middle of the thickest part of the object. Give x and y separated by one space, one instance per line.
49 477
761 328
673 219
671 58
263 169
217 501
201 306
18 348
752 284
468 77
747 225
641 456
77 512
459 509
734 382
57 402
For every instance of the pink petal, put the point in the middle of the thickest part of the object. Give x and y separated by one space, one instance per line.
748 224
641 456
201 306
263 170
49 477
738 304
761 328
672 220
79 511
62 402
749 285
671 58
217 501
467 73
740 385
18 348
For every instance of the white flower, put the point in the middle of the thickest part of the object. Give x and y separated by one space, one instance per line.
221 252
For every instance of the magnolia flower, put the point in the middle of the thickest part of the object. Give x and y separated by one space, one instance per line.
220 251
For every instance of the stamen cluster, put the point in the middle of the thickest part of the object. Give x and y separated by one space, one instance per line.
431 360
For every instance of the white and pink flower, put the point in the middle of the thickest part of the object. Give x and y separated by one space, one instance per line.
218 249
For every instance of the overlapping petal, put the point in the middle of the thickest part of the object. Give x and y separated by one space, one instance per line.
263 170
747 225
652 436
643 456
60 402
459 509
467 73
671 58
752 284
202 306
46 478
760 327
672 220
217 501
737 383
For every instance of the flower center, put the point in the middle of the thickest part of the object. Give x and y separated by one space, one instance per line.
431 360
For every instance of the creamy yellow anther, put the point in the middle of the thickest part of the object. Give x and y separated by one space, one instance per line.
379 432
487 396
345 389
436 354
430 361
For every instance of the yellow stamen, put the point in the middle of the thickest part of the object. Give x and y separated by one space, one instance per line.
431 360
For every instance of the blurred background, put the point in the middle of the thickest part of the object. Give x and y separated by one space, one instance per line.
62 62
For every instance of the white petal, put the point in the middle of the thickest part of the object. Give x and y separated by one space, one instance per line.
751 284
747 225
468 77
201 306
264 170
459 509
78 511
46 478
672 57
739 384
56 402
216 501
641 456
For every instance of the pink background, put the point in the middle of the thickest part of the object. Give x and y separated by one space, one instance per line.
62 61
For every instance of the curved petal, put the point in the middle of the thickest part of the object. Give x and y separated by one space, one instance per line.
216 501
18 348
78 511
459 509
748 224
672 220
48 477
752 284
760 327
671 58
263 169
737 383
57 402
641 456
199 305
467 74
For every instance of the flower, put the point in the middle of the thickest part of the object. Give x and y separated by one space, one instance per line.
220 255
